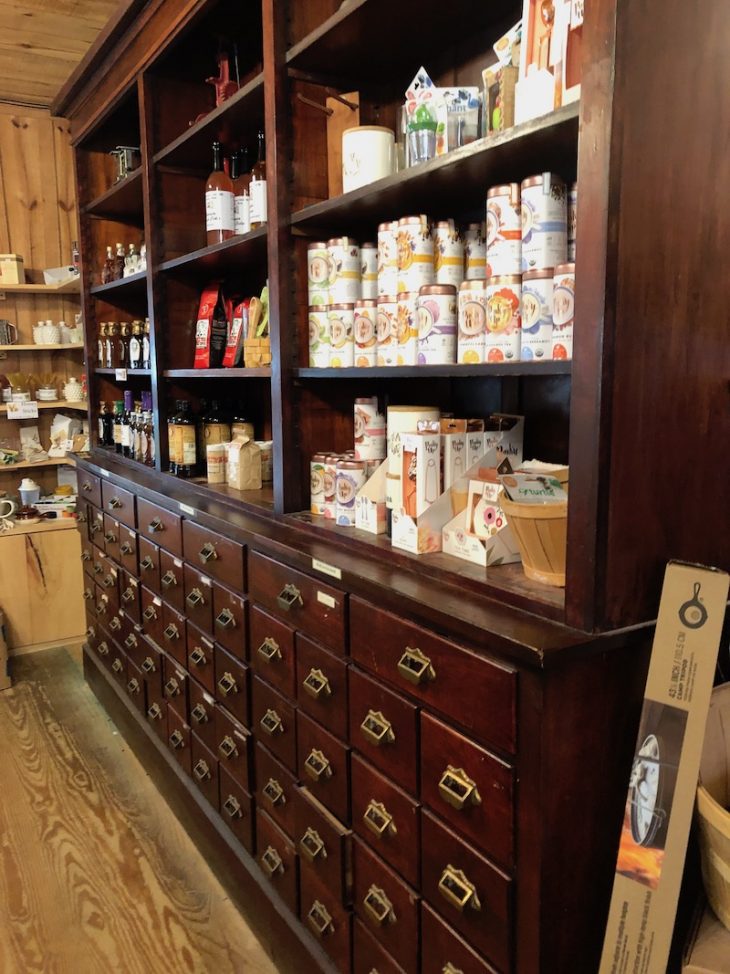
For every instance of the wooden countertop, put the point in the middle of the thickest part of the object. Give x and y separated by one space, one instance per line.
40 527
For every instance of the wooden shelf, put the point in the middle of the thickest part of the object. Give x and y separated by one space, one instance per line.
225 123
24 465
456 181
45 525
68 287
130 372
57 347
525 369
222 258
122 202
263 373
56 404
256 500
134 284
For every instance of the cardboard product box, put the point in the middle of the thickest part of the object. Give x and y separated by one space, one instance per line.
371 513
663 781
481 532
421 476
505 433
11 269
499 96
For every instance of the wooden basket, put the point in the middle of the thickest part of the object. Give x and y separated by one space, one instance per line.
713 801
256 352
541 532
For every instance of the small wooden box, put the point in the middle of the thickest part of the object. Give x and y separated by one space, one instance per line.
256 352
11 269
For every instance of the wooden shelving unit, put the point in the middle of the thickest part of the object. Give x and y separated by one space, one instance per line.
495 370
223 258
122 202
262 373
135 283
57 347
40 464
57 404
68 287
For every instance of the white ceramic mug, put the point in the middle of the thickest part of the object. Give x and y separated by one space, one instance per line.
7 507
368 153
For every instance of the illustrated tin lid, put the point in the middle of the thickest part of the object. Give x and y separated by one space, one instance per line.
366 303
504 279
506 189
333 457
350 464
404 296
366 401
438 289
420 218
387 299
317 307
474 284
565 268
548 178
368 246
368 128
319 457
548 272
390 225
342 242
340 307
319 245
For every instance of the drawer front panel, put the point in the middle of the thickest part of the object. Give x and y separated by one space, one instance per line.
129 595
276 790
173 634
203 715
324 766
205 770
475 692
118 666
234 749
236 809
324 916
325 844
229 621
322 686
302 602
201 657
178 739
157 714
89 487
467 891
160 526
199 598
175 688
133 642
111 538
151 664
368 955
273 722
215 555
87 557
152 623
278 860
149 564
128 550
232 688
384 727
272 651
442 946
387 818
172 579
136 687
120 503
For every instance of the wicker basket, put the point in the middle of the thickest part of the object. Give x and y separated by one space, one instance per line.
713 802
256 352
541 531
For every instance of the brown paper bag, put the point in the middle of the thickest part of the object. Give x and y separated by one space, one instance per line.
243 465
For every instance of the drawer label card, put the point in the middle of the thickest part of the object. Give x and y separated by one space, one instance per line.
322 566
187 509
104 473
22 410
120 375
326 599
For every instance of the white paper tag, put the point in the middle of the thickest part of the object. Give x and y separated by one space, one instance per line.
326 599
120 375
104 473
186 509
322 566
22 410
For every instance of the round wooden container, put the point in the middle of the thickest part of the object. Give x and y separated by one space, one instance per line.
713 801
541 531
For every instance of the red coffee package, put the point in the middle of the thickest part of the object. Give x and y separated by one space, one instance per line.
236 333
211 329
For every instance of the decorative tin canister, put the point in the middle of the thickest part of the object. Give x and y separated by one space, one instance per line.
415 253
317 467
387 258
448 254
407 325
387 330
537 315
344 256
472 321
544 222
341 319
369 430
319 337
369 271
563 311
349 478
366 333
572 219
318 273
504 298
330 475
437 315
504 230
475 253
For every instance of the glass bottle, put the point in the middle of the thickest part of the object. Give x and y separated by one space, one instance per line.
131 261
117 429
102 423
101 346
119 263
174 439
123 346
112 331
241 426
188 452
127 423
216 428
218 200
241 177
257 189
135 346
149 431
108 420
146 344
75 256
107 268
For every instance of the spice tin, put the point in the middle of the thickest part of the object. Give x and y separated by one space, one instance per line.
504 332
537 315
563 311
572 219
319 337
387 258
317 467
448 254
341 319
344 257
369 271
387 330
544 222
475 253
472 321
437 314
215 456
415 253
350 477
407 325
504 230
366 333
369 430
318 273
330 475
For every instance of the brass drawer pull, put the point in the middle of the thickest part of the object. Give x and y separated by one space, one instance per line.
149 613
93 528
168 579
271 723
126 548
201 770
85 556
199 714
114 504
198 657
147 563
133 685
312 846
271 862
155 712
378 819
171 632
457 788
232 807
208 553
457 890
91 633
415 667
227 684
81 518
317 766
289 596
319 919
110 537
103 648
128 595
148 665
316 684
88 594
115 624
117 665
195 598
269 650
172 687
131 641
449 968
378 906
225 619
155 525
87 487
98 569
177 740
274 793
377 728
228 748
109 580
101 608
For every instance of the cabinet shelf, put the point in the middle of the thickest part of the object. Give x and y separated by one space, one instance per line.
25 465
455 182
68 287
134 284
440 371
56 347
57 404
122 202
262 373
112 372
255 500
221 258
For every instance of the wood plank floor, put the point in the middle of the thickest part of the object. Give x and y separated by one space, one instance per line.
96 874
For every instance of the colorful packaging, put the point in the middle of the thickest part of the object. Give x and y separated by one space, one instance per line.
504 230
344 262
407 325
330 495
211 329
537 315
414 245
342 344
387 259
421 471
366 333
437 320
472 320
544 222
504 321
319 337
349 478
237 330
387 330
563 311
448 254
370 442
369 271
475 253
318 273
317 483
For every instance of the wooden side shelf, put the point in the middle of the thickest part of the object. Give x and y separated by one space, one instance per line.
122 202
222 258
57 347
135 283
522 369
130 372
24 465
68 287
262 373
57 404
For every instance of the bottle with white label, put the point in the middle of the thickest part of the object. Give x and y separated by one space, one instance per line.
218 200
241 177
257 189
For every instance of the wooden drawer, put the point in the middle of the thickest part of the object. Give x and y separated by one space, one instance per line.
272 651
277 857
367 954
477 693
199 599
387 906
441 946
87 557
111 538
178 739
322 686
152 623
325 917
468 787
104 647
172 579
325 844
232 685
96 528
203 714
236 809
149 564
276 790
273 722
116 628
467 890
133 642
175 688
118 666
384 727
173 634
128 550
90 596
160 526
205 770
119 503
324 766
215 555
234 748
102 607
157 714
305 603
387 818
129 595
201 657
151 665
229 620
136 689
89 487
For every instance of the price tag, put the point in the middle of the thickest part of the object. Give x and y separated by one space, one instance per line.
326 599
186 509
22 410
120 375
322 566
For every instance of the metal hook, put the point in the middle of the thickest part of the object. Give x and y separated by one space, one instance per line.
353 106
315 104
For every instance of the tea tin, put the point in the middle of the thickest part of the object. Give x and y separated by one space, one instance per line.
370 443
387 330
563 311
387 258
330 476
341 318
366 334
437 316
369 271
475 253
349 478
472 322
414 245
344 257
407 326
544 222
318 273
504 299
504 230
448 254
537 315
319 337
317 468
572 219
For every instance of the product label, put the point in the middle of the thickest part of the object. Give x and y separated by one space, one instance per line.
117 433
241 214
125 436
258 201
101 430
135 352
218 210
189 455
174 441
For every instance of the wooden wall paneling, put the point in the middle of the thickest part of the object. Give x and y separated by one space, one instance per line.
181 207
309 146
177 102
303 18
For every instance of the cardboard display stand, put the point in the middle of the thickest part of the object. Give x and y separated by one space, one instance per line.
663 782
